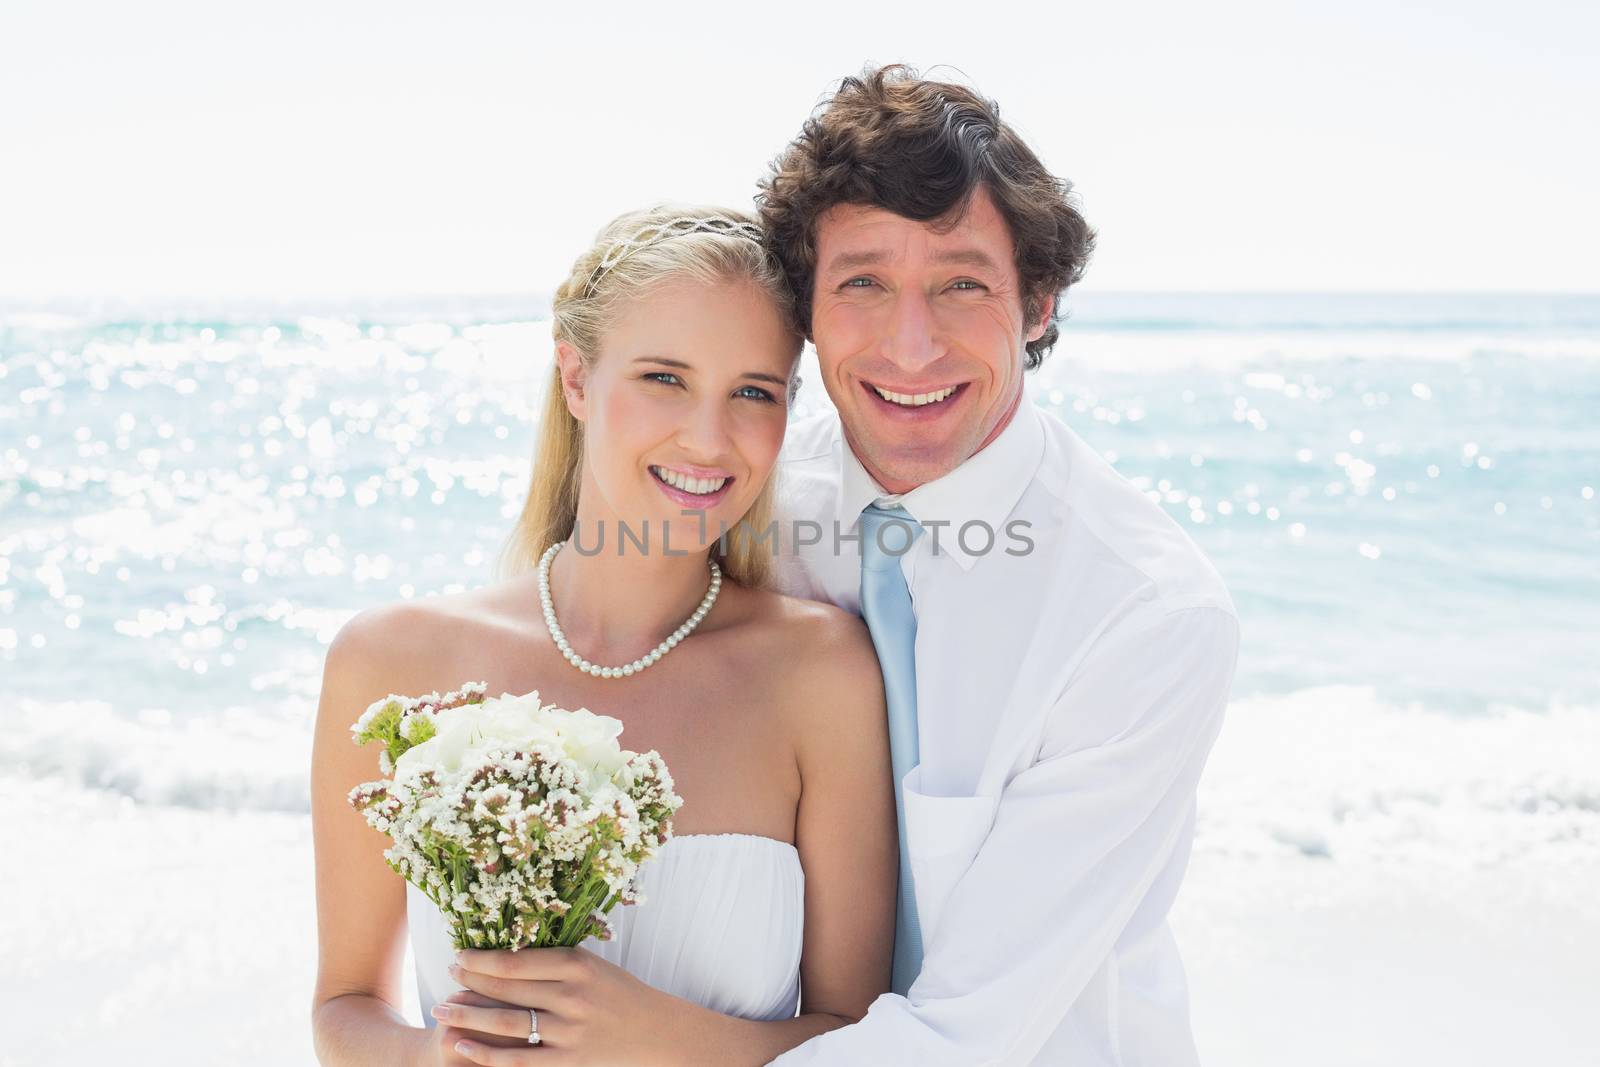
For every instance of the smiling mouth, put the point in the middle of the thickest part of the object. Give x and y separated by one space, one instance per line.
916 400
685 484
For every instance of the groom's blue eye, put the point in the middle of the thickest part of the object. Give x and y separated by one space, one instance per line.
851 284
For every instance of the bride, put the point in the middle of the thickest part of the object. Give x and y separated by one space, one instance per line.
768 918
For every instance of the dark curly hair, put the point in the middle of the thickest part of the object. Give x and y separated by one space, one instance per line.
921 149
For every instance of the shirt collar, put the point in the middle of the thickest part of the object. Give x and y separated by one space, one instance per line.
984 489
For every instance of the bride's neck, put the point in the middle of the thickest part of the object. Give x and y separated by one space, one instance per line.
616 605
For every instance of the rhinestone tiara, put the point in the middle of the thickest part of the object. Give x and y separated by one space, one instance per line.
657 232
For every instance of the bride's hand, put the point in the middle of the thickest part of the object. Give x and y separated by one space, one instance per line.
591 1013
442 1039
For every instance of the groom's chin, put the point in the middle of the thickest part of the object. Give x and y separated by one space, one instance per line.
912 465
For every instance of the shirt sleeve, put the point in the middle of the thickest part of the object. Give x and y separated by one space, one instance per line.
1078 840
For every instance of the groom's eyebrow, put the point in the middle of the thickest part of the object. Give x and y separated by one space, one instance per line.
972 257
852 260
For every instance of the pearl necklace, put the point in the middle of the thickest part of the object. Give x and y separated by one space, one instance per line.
646 660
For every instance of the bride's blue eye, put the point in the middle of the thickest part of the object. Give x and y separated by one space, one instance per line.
759 394
657 375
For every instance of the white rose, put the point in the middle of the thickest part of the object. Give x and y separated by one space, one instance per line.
418 758
465 733
590 741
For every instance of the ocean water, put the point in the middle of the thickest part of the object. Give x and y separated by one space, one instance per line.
1403 493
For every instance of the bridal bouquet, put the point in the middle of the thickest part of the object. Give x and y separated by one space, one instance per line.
525 823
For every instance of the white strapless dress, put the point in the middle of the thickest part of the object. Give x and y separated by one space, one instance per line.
720 925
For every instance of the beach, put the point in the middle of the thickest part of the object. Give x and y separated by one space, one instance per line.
1312 941
1399 827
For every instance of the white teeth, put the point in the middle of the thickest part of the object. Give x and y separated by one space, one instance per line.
698 486
917 400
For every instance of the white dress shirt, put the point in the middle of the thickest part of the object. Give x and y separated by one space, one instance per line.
1067 698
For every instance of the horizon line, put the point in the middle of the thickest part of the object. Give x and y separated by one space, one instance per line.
11 302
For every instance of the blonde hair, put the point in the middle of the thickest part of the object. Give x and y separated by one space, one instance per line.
634 253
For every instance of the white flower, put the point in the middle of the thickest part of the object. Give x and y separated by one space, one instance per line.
591 741
519 723
515 797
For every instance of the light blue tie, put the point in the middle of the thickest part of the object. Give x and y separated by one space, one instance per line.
886 607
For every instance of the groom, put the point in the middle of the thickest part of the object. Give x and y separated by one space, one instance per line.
1056 652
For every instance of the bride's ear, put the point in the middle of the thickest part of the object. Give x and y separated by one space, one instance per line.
574 379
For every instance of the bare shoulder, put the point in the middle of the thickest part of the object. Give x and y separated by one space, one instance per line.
407 638
404 646
826 685
811 633
818 656
377 636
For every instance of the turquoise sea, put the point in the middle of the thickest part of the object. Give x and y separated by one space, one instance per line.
1401 492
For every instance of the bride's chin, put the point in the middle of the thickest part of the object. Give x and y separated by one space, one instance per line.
689 532
699 530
